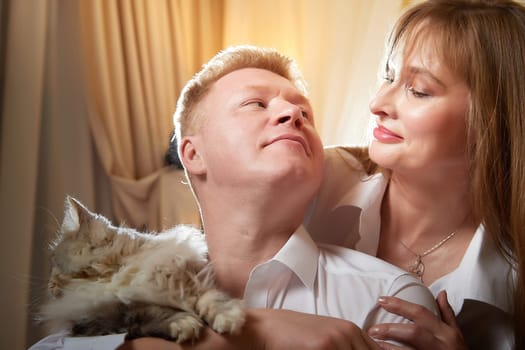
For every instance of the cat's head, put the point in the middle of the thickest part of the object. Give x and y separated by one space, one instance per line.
81 233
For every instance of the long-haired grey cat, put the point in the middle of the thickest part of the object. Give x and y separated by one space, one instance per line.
107 279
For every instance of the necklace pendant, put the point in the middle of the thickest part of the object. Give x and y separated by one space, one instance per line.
417 268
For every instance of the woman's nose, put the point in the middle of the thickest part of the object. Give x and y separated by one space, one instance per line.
382 103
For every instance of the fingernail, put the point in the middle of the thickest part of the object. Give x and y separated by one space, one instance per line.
373 331
382 300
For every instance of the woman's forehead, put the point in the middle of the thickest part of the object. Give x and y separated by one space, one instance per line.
437 43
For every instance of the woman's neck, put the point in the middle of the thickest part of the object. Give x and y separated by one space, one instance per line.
417 210
433 222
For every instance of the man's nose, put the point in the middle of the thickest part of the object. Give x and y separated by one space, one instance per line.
290 114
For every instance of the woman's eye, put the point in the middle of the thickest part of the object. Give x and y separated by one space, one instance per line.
389 78
390 75
417 93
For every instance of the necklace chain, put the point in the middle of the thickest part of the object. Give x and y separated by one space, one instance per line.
418 267
436 246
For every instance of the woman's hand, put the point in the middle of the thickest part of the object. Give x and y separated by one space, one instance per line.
427 331
268 329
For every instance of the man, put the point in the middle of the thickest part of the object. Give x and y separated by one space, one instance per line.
254 160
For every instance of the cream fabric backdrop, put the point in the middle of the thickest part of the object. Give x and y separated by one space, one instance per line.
138 56
46 152
89 90
338 45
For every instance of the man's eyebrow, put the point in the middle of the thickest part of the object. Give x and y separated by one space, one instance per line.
256 87
298 97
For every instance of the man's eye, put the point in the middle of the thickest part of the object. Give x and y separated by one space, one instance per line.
305 114
255 103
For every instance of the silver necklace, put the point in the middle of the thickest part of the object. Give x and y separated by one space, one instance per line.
418 268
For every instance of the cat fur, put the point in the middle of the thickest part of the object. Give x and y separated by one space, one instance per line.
107 279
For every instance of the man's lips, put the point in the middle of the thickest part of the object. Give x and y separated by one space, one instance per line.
291 137
383 134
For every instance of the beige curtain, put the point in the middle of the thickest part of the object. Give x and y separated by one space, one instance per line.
46 154
138 55
89 89
21 108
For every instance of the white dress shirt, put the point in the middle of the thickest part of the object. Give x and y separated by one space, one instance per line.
326 280
331 281
347 212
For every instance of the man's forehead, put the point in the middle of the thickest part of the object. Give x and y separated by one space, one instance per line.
257 77
256 80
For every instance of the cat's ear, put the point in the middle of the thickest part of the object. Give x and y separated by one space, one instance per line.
74 214
191 157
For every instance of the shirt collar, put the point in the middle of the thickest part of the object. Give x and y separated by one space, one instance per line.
486 273
488 276
301 255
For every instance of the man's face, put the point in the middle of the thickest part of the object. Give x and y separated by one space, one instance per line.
258 131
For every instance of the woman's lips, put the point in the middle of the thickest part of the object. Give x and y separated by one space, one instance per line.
384 135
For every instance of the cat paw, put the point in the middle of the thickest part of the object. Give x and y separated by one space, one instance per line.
230 319
56 283
185 326
222 313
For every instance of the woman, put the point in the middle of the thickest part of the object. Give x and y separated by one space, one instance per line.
447 161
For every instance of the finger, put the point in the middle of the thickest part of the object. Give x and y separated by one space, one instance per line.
447 314
389 346
370 344
408 334
352 338
414 312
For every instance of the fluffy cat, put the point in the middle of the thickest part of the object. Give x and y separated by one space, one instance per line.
108 279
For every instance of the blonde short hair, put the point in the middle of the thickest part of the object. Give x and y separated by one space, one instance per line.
187 121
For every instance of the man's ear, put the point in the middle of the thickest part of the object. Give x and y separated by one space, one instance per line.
191 157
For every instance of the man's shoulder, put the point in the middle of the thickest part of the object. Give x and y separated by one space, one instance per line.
343 269
341 260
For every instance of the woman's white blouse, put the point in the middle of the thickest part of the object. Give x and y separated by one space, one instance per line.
479 290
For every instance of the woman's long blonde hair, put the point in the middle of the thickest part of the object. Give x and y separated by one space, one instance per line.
484 43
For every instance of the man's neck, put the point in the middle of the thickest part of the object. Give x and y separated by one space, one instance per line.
242 236
235 255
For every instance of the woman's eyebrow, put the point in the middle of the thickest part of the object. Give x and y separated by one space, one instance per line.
413 70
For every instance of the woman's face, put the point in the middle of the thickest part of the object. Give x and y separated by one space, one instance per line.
420 114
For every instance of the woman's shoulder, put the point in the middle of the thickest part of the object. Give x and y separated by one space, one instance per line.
356 158
346 192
